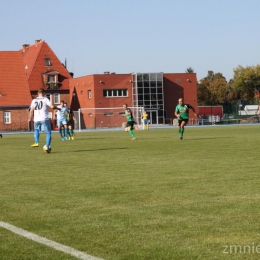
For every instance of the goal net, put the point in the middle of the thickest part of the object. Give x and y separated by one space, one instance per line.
93 118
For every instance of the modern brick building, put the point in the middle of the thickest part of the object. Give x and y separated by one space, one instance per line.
157 93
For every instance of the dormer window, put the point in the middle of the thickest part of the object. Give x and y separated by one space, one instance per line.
51 79
47 62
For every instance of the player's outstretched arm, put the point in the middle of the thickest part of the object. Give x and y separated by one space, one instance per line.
192 108
55 107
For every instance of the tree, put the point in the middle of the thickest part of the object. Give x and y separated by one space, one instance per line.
189 70
247 82
213 89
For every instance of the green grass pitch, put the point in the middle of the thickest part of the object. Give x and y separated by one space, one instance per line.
154 198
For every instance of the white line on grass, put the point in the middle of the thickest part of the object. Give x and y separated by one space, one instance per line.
47 242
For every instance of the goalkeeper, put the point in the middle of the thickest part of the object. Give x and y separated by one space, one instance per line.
145 120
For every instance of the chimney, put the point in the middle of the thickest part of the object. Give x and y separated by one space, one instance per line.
25 46
37 41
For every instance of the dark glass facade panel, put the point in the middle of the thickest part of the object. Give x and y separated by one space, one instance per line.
153 90
146 97
160 112
159 97
140 91
153 77
140 97
160 120
146 90
159 90
149 94
159 77
146 77
140 77
139 84
146 84
153 84
153 97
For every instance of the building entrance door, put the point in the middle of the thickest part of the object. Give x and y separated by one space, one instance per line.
153 117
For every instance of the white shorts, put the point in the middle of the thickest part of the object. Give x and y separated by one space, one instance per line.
61 122
43 126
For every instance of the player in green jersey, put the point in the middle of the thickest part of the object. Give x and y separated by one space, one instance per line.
182 112
130 122
71 120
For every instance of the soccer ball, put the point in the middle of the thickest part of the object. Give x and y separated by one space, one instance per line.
45 149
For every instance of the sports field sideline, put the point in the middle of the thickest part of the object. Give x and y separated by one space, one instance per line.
103 196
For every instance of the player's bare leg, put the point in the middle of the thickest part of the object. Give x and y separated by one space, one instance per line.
181 129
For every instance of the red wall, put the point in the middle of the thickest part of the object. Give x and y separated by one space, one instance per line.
19 120
96 84
210 110
179 85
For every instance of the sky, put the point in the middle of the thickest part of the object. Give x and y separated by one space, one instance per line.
124 36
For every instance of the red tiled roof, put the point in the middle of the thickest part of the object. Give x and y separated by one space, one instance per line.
34 65
14 88
30 55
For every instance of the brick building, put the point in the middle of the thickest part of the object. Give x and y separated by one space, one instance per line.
22 73
157 93
36 66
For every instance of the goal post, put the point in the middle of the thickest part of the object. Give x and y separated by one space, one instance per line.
112 117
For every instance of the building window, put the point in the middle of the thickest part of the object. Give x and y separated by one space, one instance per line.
51 78
108 114
48 95
115 93
47 62
7 118
178 80
56 98
89 94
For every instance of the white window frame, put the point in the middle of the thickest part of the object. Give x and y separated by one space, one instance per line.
115 93
47 62
89 94
56 98
7 118
51 78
